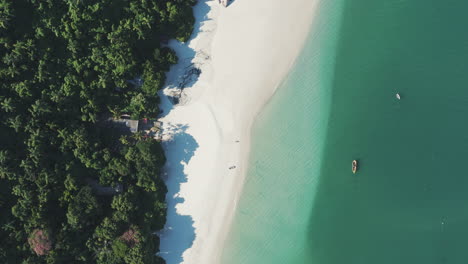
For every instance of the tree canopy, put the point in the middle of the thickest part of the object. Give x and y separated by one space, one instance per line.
66 66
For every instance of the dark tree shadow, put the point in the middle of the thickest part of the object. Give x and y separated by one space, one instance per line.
186 72
231 2
178 233
200 12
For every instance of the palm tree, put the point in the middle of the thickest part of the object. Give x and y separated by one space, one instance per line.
7 105
15 123
5 14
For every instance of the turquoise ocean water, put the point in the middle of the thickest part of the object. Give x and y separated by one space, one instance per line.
408 203
273 213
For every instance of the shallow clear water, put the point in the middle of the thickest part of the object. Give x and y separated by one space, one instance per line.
408 203
287 144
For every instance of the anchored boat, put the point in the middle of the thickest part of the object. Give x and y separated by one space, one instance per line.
354 166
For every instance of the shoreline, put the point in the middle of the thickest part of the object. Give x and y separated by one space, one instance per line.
244 52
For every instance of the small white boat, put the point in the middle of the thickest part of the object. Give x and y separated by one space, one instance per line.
354 166
398 96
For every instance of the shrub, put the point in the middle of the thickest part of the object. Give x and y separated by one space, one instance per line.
40 242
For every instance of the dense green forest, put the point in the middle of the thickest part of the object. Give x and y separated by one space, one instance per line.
66 67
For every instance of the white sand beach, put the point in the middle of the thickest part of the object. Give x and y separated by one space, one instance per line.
243 51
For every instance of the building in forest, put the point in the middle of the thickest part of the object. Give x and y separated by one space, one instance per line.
125 123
